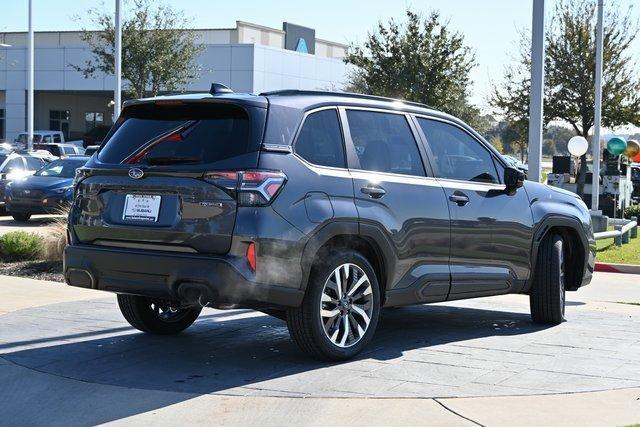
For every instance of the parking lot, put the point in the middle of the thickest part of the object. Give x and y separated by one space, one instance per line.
37 223
476 348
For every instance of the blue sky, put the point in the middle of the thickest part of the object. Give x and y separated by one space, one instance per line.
490 26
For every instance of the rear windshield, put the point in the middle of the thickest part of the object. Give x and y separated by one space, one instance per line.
177 134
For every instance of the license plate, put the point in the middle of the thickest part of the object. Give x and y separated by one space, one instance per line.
141 207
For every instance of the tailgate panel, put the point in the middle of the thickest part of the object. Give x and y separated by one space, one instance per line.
193 213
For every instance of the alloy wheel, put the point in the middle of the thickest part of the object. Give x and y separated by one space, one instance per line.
346 305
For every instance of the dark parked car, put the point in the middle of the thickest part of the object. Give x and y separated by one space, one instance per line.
317 208
47 191
16 166
95 136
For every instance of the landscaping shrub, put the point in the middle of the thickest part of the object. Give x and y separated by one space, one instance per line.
55 240
20 246
632 211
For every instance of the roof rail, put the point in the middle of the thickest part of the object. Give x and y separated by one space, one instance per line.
293 92
219 88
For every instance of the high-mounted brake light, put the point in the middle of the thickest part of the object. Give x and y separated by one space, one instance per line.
251 188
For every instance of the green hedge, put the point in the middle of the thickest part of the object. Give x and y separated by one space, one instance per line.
20 246
632 211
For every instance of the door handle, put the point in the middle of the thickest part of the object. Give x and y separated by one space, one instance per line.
459 199
374 192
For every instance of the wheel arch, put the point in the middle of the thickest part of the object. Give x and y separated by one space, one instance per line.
348 235
576 247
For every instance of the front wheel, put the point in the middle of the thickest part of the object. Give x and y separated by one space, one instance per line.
547 297
156 316
340 310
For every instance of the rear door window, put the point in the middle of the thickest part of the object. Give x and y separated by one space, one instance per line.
320 139
178 134
384 142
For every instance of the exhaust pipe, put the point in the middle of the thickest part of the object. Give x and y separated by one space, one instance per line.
195 294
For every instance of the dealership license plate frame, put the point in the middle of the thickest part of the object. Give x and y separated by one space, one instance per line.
141 208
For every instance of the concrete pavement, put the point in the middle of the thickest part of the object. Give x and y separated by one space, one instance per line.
50 363
37 224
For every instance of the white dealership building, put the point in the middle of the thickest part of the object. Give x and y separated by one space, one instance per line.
247 58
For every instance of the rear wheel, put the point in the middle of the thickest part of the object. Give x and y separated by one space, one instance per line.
340 310
156 316
21 217
547 297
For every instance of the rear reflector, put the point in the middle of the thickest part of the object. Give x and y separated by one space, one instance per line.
251 256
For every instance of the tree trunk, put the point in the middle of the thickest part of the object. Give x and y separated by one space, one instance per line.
581 176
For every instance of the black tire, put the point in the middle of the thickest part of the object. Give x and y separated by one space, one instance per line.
21 217
305 323
547 296
278 314
156 317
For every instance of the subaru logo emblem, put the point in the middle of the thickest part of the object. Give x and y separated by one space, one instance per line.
136 173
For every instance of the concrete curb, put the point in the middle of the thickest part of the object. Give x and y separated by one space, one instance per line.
617 268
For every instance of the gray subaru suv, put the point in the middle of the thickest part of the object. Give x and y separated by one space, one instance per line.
317 208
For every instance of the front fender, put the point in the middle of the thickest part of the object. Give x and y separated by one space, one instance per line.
553 208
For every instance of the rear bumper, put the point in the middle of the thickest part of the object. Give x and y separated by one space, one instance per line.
225 279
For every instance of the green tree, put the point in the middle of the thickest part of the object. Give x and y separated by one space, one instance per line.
511 98
496 141
509 136
556 138
157 52
421 60
570 69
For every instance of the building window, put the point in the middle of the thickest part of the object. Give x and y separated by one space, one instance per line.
59 120
1 123
92 120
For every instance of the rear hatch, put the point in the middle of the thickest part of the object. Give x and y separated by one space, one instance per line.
150 187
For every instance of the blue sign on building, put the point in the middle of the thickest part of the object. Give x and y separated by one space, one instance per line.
302 46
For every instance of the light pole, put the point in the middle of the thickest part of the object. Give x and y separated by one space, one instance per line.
595 181
537 91
30 67
117 100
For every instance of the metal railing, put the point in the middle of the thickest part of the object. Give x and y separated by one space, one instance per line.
624 229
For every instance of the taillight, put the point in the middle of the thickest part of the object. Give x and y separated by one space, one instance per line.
251 256
251 188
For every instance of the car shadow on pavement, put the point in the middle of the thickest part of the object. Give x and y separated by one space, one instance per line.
237 352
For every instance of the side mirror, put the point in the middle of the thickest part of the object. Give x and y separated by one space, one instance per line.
513 178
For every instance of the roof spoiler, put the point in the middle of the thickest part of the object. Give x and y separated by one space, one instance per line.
218 89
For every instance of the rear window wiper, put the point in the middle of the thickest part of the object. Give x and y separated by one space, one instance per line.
171 160
180 131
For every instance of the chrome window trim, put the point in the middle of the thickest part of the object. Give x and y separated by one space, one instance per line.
394 177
